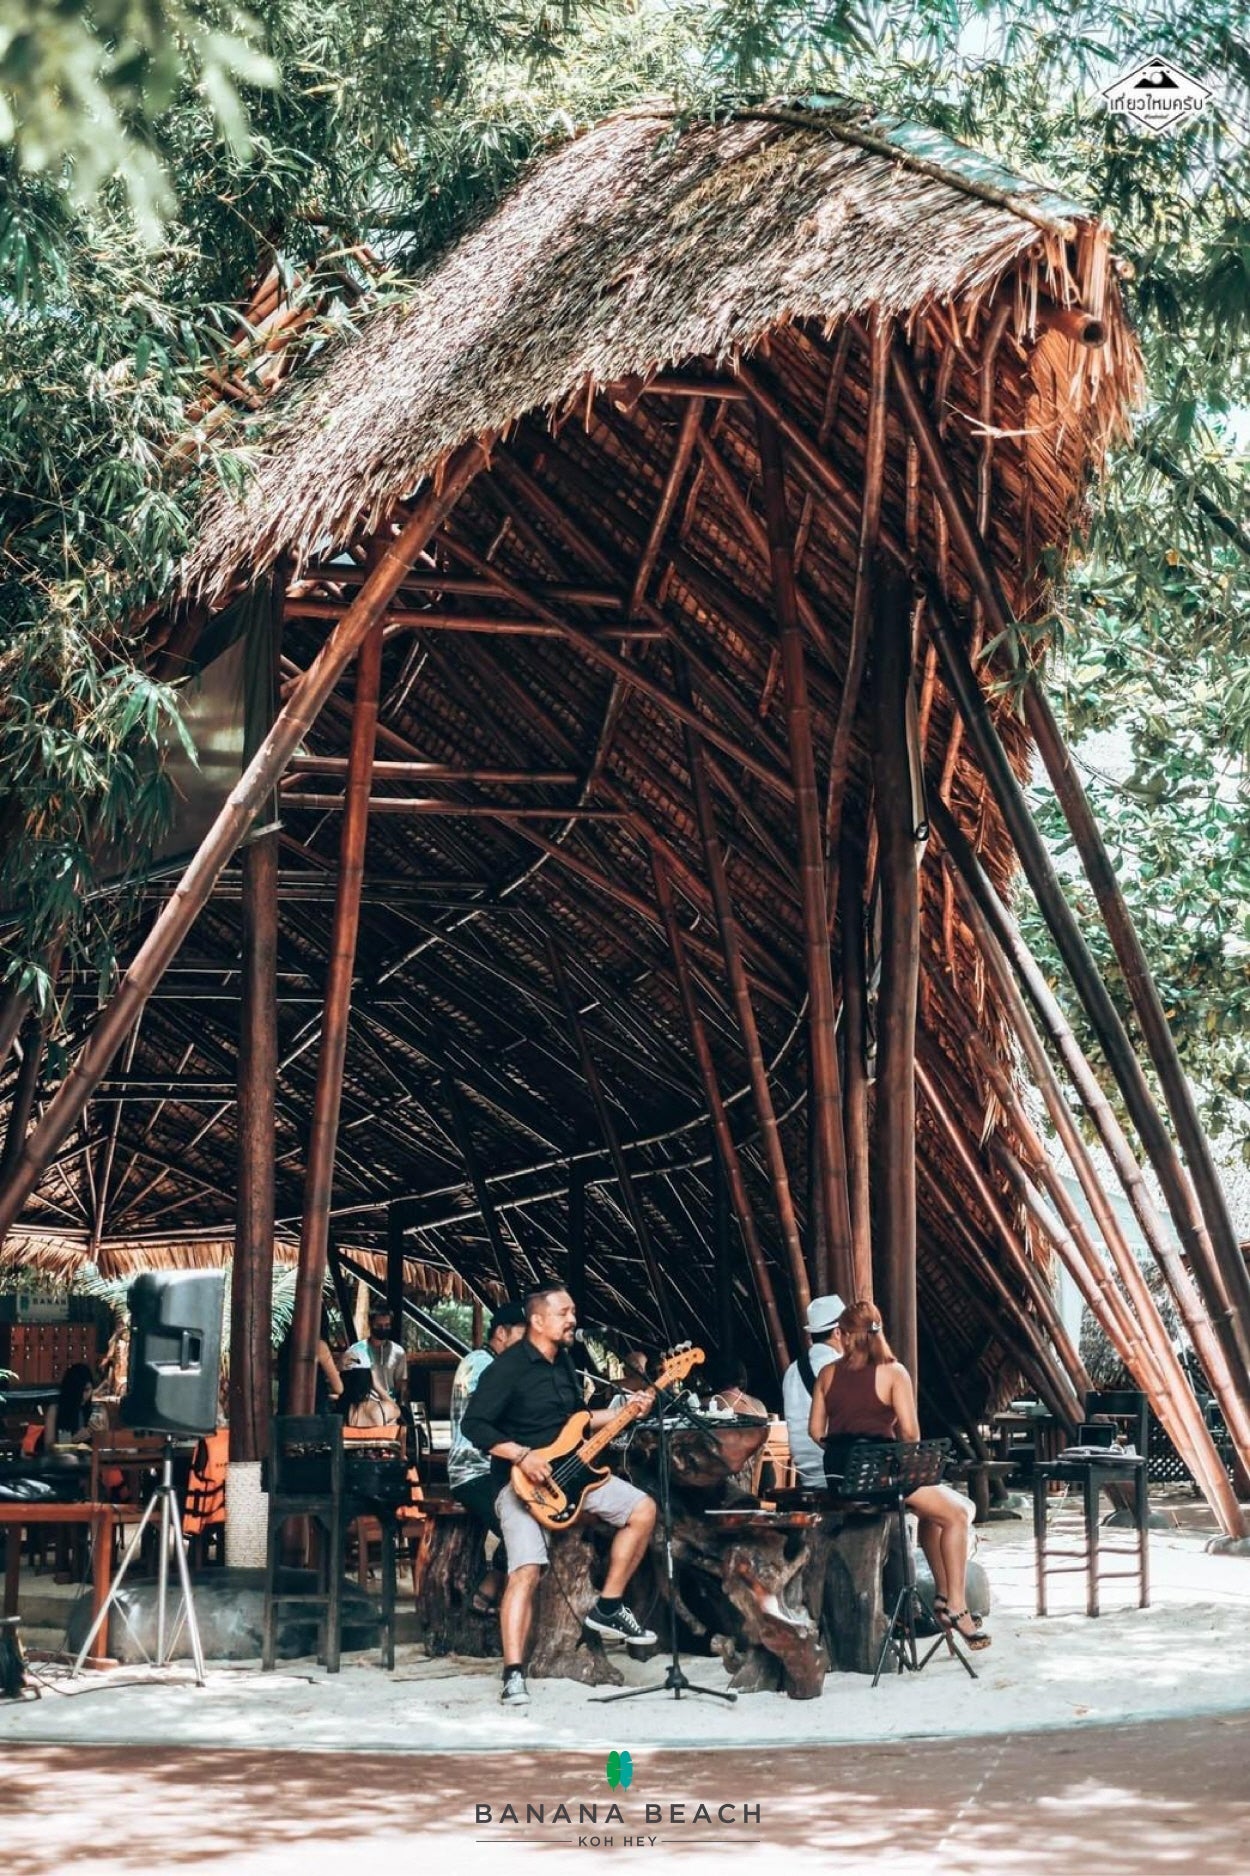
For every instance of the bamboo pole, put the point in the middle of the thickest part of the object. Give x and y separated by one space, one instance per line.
726 1150
832 1261
875 445
34 1036
1145 999
336 1018
1131 1319
1007 957
735 972
1224 1279
1017 1257
1095 997
894 1114
575 1263
395 1270
590 1074
255 785
251 1277
1012 1325
855 1054
692 417
722 1262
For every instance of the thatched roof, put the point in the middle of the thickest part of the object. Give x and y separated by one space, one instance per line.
518 645
633 249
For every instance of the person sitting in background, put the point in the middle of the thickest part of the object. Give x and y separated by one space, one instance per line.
359 1402
73 1417
386 1358
468 1470
868 1395
798 1384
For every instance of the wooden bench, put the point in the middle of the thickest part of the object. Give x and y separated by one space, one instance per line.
14 1517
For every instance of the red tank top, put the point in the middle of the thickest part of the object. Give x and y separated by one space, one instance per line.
853 1406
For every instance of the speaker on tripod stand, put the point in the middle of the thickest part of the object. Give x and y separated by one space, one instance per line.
172 1388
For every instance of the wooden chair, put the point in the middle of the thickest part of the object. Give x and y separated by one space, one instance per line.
304 1479
119 1462
775 1453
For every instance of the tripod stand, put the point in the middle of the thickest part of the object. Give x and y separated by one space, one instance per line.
675 1681
164 1500
888 1472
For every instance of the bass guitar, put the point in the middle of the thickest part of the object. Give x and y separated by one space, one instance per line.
571 1455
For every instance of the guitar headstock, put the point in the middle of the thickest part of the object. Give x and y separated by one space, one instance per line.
677 1363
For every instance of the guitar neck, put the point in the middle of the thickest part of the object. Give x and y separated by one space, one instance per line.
632 1410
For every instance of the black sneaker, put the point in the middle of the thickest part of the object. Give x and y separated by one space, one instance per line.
515 1692
623 1624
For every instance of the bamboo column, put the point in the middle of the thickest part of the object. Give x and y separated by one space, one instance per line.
575 1266
34 1033
726 1149
894 1118
832 1261
855 1053
722 1260
735 972
336 1017
1007 957
1145 999
1224 1280
395 1269
1090 987
257 782
594 1086
251 1278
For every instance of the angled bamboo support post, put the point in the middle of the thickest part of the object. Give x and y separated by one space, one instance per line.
894 1116
1095 997
1144 995
726 1150
832 1260
257 782
629 1194
740 991
335 1023
1224 1279
854 976
1008 958
995 1206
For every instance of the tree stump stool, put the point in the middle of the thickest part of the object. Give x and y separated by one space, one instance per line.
773 1593
449 1565
561 1648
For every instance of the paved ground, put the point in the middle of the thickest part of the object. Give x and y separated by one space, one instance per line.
1162 1799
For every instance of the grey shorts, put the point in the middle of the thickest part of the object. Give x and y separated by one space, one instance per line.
525 1539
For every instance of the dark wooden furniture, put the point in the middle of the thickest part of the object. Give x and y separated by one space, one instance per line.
305 1480
1092 1477
14 1518
40 1352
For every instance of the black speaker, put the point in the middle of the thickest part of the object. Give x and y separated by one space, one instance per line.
175 1351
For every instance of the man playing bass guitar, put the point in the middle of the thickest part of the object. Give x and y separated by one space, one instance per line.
522 1402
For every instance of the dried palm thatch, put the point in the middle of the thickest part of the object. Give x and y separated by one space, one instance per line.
634 249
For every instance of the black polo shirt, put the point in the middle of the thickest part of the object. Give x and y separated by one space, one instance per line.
524 1397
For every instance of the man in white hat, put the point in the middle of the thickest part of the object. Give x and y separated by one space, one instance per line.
799 1382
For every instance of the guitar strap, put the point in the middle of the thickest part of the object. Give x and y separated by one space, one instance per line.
807 1374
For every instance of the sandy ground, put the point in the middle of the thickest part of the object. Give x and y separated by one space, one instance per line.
1162 1799
1188 1654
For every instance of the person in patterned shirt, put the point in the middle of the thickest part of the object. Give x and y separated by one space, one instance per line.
468 1470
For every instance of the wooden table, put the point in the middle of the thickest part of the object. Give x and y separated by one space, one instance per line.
14 1516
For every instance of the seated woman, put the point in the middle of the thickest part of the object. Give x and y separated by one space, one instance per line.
73 1417
359 1402
868 1395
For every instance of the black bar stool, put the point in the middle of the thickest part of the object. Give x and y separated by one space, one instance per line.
304 1479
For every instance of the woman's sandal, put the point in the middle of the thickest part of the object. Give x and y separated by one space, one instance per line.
978 1638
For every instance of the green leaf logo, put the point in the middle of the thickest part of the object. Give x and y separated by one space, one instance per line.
620 1770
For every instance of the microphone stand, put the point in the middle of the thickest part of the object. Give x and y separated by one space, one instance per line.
675 1681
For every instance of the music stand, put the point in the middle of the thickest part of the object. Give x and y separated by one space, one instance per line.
887 1472
675 1680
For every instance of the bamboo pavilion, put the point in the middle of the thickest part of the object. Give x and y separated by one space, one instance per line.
619 886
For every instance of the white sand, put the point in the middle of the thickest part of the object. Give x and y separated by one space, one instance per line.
1188 1653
